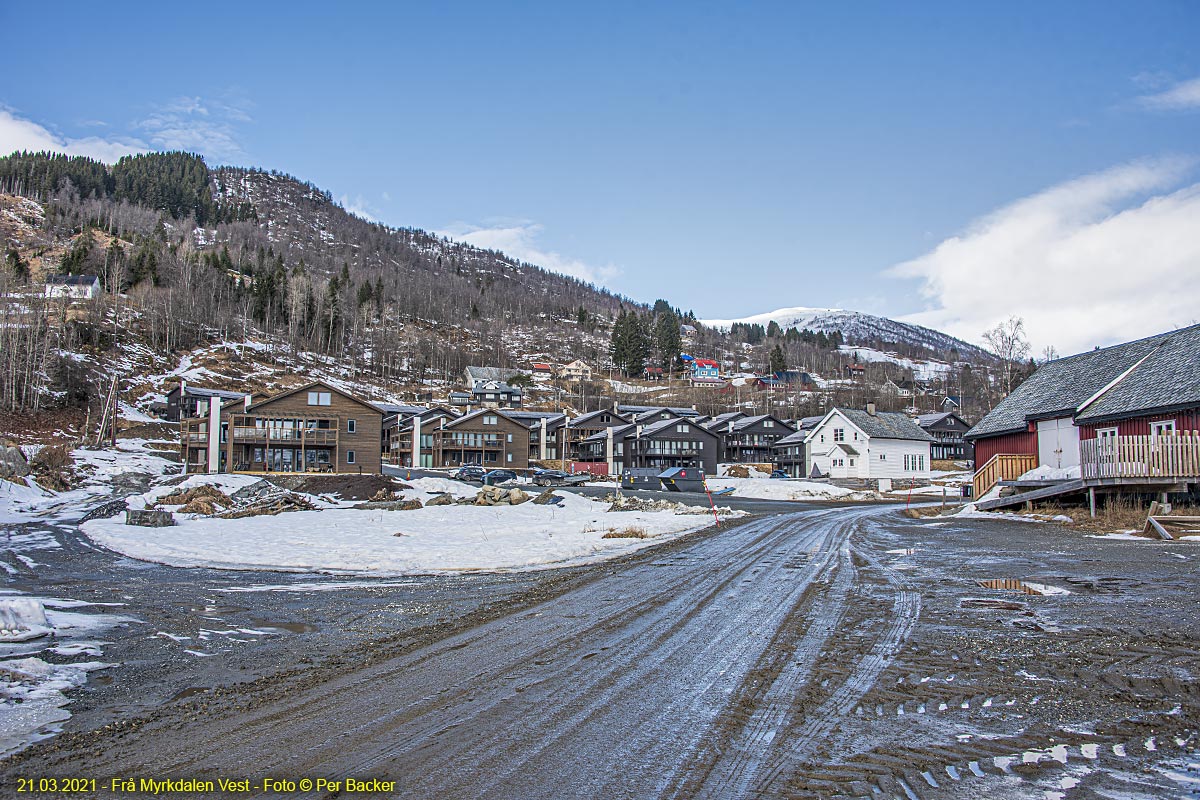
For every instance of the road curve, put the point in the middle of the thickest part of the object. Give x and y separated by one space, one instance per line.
673 676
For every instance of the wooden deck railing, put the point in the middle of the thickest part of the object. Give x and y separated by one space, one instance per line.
1001 467
1166 456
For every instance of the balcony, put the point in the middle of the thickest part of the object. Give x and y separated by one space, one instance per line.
297 436
1133 457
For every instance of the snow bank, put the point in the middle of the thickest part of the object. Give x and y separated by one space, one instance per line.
1048 473
777 489
16 499
21 619
441 538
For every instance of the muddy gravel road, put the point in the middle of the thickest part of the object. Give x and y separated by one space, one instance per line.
818 653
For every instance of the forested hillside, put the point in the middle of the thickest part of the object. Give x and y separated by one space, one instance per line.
192 256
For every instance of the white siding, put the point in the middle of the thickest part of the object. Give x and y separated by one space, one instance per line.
1058 443
893 461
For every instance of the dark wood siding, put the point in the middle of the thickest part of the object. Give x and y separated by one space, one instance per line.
1140 426
368 424
1008 444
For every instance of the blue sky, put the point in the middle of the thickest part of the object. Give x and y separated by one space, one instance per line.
942 162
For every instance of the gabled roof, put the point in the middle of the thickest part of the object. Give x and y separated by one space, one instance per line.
533 419
1167 379
808 423
399 408
678 410
748 422
197 391
663 424
308 386
706 362
501 374
791 439
71 280
880 425
1139 377
618 431
495 412
583 419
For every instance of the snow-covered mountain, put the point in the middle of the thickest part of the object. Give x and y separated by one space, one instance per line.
858 328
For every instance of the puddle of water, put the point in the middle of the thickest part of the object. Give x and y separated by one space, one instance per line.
190 691
215 609
1010 585
989 602
290 627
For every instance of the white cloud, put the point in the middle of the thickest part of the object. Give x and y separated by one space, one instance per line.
1102 259
22 134
198 125
359 207
519 239
1183 95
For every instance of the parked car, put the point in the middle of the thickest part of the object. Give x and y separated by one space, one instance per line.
550 477
470 472
499 476
779 474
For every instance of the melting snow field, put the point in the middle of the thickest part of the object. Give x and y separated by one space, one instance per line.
432 539
32 699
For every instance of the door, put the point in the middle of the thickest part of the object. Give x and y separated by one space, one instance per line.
1106 453
1058 443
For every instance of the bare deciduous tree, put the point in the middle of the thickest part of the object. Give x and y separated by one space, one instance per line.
1007 340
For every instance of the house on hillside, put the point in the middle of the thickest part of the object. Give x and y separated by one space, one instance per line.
868 445
546 433
73 287
901 388
1121 417
188 402
542 368
489 388
705 372
854 371
687 331
653 374
315 428
951 402
575 372
947 429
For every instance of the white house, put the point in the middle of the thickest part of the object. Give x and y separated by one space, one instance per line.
868 445
75 287
575 371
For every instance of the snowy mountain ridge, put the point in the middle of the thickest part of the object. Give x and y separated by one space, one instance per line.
859 328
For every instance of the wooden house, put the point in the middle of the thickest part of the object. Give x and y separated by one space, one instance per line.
751 440
868 445
73 287
575 372
488 437
315 428
947 430
787 454
188 402
1124 416
660 444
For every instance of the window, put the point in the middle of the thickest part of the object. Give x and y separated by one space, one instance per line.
839 434
319 398
883 456
510 458
351 425
768 423
1162 428
510 438
852 462
682 428
349 456
491 419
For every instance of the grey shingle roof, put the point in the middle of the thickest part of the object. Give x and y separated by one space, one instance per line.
583 419
680 411
1169 377
196 391
1059 388
502 374
886 425
791 439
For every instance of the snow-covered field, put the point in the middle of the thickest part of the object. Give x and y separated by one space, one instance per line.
774 489
376 542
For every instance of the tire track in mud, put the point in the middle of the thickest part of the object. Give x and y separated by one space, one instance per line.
783 731
629 668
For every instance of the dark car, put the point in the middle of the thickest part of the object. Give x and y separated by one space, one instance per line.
470 472
499 476
550 477
779 474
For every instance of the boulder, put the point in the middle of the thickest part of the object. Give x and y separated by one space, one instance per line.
12 462
517 496
407 505
547 498
149 518
445 499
